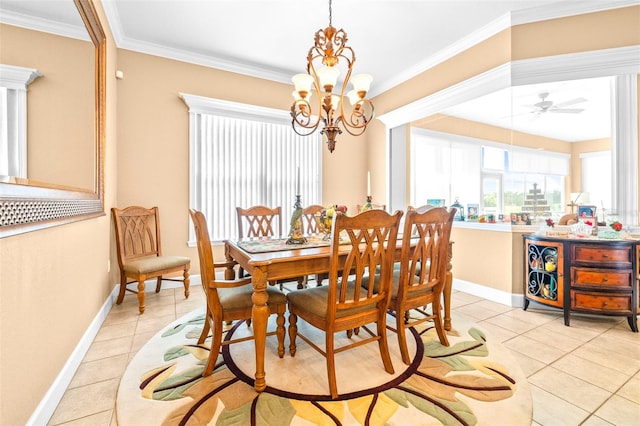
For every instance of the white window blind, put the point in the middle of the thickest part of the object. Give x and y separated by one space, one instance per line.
249 161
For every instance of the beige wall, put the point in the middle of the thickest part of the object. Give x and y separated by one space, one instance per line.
54 281
60 100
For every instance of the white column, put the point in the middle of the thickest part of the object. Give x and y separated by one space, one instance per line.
624 148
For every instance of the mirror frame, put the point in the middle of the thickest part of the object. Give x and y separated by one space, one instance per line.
28 205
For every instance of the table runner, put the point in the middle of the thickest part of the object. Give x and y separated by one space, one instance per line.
265 245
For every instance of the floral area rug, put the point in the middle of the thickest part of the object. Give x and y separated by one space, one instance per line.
474 381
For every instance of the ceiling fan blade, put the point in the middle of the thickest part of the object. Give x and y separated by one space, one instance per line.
571 102
567 110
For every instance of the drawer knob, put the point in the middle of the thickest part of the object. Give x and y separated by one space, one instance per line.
605 279
605 255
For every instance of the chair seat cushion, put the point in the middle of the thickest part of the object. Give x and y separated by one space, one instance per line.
314 300
396 283
156 263
240 297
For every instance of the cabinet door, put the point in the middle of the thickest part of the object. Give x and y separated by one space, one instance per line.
544 270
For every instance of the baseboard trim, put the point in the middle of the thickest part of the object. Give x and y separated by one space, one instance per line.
499 296
49 403
47 406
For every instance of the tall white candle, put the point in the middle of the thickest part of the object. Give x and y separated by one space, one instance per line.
298 182
368 183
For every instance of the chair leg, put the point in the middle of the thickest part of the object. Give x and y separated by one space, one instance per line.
384 346
123 288
437 320
331 365
293 332
216 341
205 331
186 282
280 331
402 337
158 284
141 295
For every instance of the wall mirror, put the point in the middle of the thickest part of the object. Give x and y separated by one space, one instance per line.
56 196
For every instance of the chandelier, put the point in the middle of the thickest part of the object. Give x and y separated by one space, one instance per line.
330 46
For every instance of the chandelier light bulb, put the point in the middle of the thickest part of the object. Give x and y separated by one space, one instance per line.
353 96
361 83
328 77
303 83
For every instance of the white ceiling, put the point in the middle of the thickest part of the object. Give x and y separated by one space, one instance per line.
393 39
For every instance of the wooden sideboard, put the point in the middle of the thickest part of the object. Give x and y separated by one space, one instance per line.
591 275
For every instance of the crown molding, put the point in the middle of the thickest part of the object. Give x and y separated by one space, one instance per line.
599 63
482 84
204 105
39 24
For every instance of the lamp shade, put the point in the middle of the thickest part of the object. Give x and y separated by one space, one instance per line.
303 83
297 97
328 76
353 96
361 82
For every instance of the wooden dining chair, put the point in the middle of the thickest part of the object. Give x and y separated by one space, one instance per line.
140 252
420 280
229 300
259 221
344 304
310 219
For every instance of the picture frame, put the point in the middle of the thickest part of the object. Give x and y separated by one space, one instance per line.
472 211
520 218
585 211
436 202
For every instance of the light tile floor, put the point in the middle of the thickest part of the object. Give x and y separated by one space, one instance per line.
587 374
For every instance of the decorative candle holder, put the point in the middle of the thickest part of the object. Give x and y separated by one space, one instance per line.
295 227
367 205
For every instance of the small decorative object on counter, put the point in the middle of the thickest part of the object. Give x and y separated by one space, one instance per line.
367 205
325 218
459 210
295 228
616 226
550 223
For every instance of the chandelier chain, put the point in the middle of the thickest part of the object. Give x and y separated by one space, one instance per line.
329 12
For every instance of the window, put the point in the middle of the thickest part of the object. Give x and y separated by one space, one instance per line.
242 155
498 177
13 119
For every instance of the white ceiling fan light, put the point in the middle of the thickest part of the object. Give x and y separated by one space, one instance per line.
549 106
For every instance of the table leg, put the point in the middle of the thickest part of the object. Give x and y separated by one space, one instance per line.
448 283
229 272
260 316
447 300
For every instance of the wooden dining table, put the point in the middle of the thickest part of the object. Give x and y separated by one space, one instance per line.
271 259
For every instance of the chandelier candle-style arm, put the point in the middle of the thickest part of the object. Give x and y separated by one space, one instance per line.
328 52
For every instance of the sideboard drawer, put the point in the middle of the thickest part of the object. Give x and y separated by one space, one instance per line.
619 278
602 255
598 302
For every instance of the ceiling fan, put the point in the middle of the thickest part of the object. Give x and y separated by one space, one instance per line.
545 106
